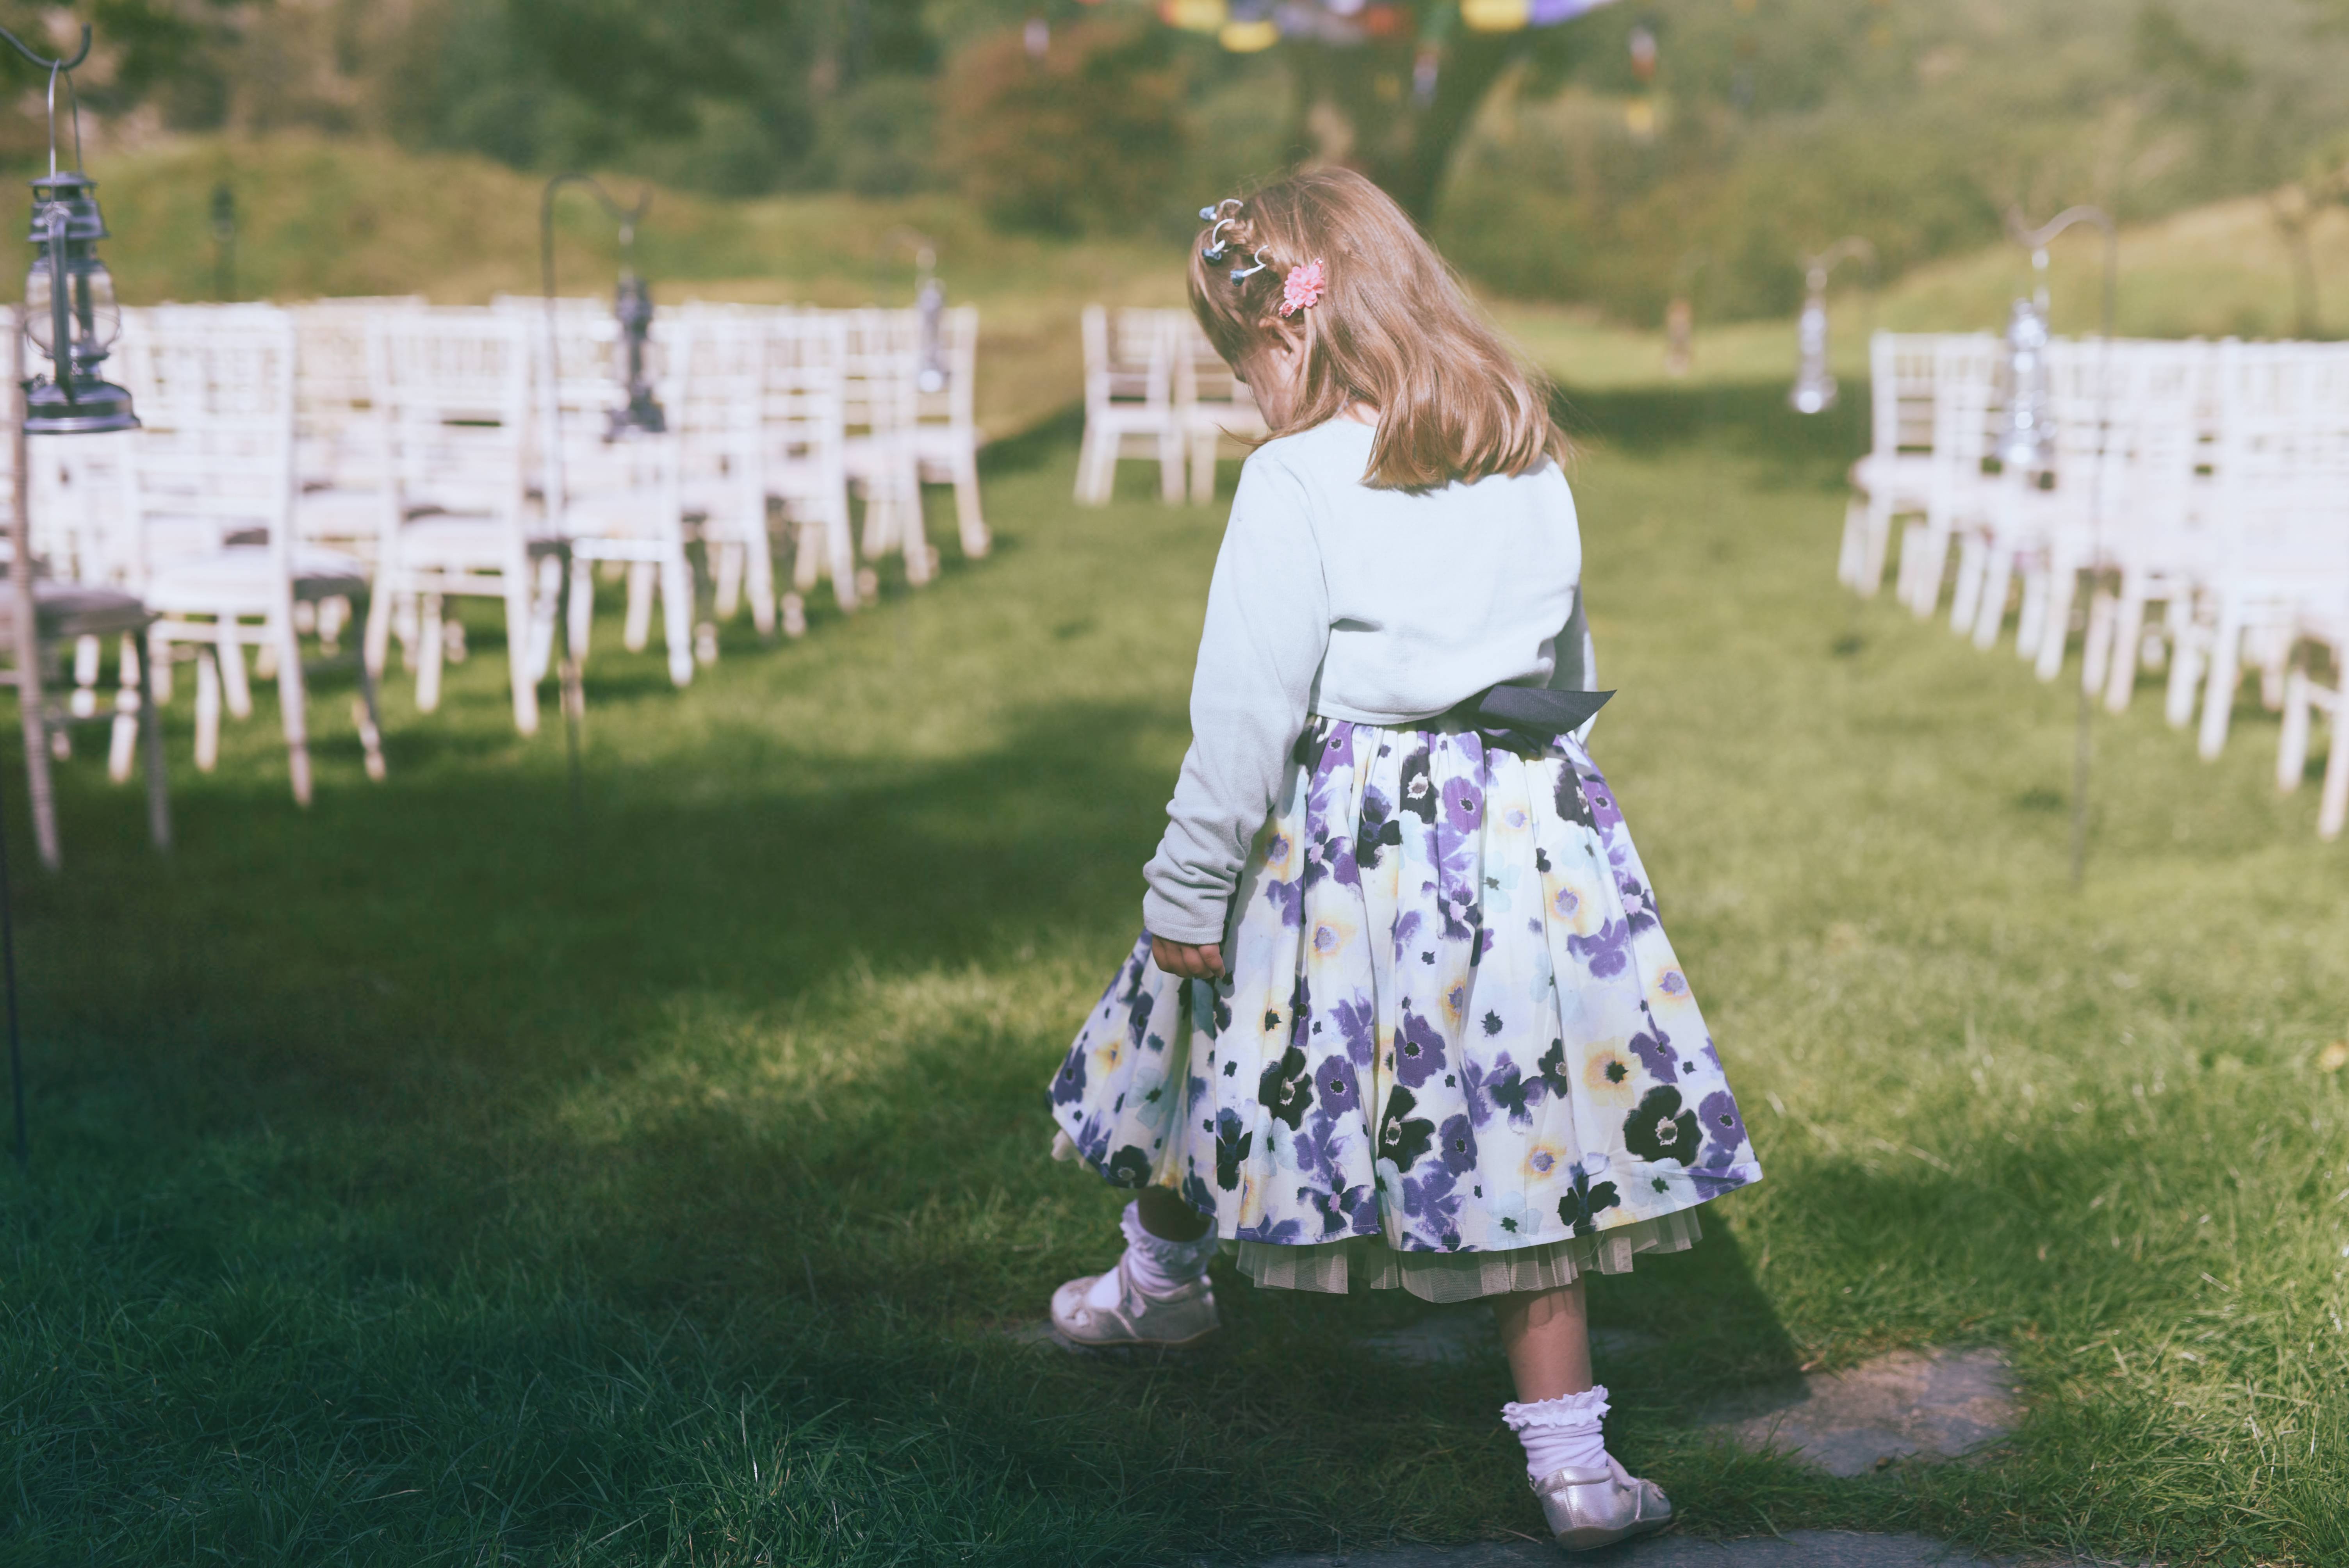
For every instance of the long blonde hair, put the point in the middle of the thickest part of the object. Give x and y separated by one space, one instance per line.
1393 329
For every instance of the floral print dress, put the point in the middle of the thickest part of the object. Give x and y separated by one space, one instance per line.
1452 1029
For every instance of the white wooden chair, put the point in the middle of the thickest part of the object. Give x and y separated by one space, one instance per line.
1129 397
714 390
209 502
2161 548
1965 406
880 404
946 431
803 439
452 390
1895 478
1212 404
2282 468
614 501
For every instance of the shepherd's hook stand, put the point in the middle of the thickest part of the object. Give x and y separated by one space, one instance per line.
2036 241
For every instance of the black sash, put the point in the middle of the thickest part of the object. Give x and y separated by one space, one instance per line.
1528 718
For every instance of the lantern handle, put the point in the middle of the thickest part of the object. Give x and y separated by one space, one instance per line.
43 61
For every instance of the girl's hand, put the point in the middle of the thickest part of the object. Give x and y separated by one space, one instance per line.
1191 963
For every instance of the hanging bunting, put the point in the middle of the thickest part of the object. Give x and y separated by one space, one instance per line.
1246 26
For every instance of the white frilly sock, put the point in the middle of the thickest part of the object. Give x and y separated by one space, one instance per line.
1559 1434
1158 1264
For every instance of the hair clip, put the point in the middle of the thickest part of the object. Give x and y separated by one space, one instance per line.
1216 250
1210 214
1241 274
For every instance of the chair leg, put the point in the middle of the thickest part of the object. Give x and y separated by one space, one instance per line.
2218 691
727 566
2333 806
1990 611
2031 617
2186 646
2063 586
579 612
1170 465
376 646
159 665
2292 740
124 747
235 689
970 521
914 533
2096 644
366 712
519 632
1874 545
430 649
758 574
2127 633
677 615
841 543
208 710
637 629
1089 460
159 789
292 703
1965 600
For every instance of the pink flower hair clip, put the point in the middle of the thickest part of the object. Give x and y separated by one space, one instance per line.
1303 287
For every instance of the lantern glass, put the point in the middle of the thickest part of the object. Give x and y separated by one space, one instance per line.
97 314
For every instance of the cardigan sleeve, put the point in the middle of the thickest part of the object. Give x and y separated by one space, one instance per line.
1574 660
1261 652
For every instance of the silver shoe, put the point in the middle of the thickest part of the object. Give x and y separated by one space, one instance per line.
1590 1508
1183 1317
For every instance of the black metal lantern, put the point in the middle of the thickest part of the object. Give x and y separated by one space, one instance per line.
1815 390
71 315
70 312
632 306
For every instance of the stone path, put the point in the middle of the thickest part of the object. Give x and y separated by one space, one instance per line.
1796 1549
1928 1405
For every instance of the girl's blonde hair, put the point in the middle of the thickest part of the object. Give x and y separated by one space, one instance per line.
1391 328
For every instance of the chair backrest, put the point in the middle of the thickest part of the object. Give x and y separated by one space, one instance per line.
2281 459
212 461
953 404
1129 357
1901 381
1207 392
713 392
452 394
881 362
334 431
579 379
802 415
1965 406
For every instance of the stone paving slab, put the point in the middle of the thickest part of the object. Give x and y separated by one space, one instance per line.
1923 1405
1796 1549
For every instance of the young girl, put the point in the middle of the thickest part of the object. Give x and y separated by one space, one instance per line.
1403 1014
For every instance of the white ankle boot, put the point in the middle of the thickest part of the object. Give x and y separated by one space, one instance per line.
1157 1295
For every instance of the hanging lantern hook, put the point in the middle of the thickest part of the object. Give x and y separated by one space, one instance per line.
55 68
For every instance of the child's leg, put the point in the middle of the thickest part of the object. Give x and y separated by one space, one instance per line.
1164 1215
1546 1333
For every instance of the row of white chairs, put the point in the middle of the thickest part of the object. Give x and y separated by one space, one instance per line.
1155 388
293 464
2200 491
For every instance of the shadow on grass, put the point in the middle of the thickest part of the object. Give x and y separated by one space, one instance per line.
1750 420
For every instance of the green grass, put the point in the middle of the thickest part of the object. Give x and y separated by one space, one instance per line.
436 1178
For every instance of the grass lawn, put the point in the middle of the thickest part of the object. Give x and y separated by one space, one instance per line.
435 1177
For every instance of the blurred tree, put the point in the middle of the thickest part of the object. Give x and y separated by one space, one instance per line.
1087 131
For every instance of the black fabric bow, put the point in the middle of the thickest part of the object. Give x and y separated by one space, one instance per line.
1527 719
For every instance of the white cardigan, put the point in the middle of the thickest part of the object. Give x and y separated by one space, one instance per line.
1376 605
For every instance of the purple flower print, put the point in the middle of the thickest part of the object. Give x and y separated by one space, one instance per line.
1580 1208
1419 786
1464 806
1429 1201
1711 1184
1357 1025
1069 1083
1658 1128
1571 805
1376 831
1335 1088
1279 1232
1606 953
1724 1129
1403 1137
1418 1050
1334 744
1232 1148
1288 897
1656 1054
1456 1144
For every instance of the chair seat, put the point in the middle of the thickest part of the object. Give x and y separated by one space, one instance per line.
340 513
66 610
455 541
242 578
